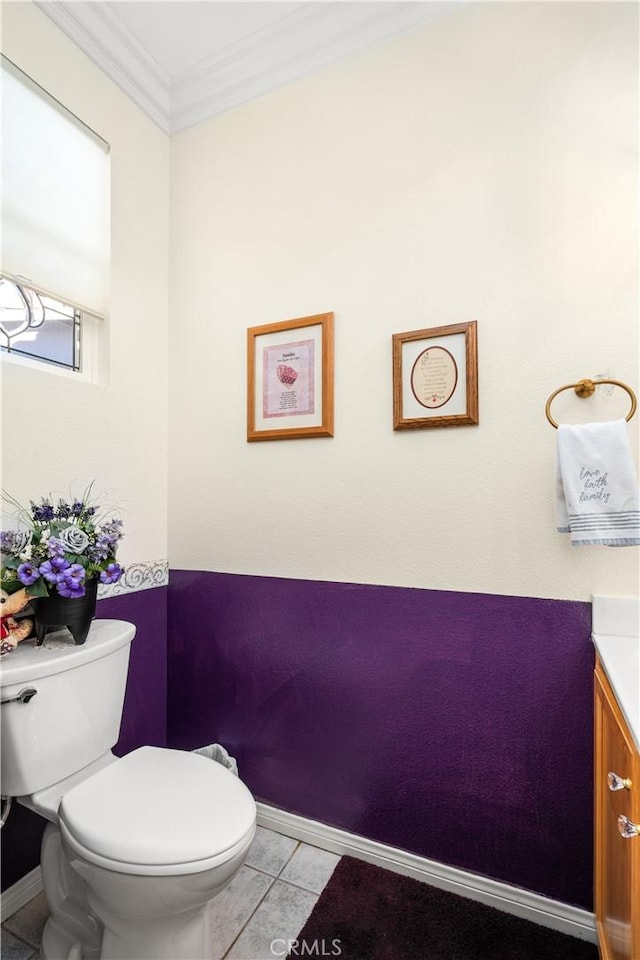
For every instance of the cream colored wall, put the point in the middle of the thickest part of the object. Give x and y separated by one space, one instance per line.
56 431
484 167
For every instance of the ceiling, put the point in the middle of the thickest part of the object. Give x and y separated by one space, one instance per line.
183 61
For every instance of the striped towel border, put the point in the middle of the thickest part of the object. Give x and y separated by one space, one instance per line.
607 529
628 518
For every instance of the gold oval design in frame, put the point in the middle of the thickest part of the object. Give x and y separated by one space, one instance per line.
434 377
456 402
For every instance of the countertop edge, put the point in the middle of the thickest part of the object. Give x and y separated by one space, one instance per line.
620 659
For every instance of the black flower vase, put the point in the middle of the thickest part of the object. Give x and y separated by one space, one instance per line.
74 613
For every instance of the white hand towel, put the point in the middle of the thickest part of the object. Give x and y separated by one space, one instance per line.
597 498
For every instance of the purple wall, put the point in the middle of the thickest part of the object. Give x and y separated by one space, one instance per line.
144 718
457 726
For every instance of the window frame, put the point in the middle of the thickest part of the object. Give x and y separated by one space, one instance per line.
86 331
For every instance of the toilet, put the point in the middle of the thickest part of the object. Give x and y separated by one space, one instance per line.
135 847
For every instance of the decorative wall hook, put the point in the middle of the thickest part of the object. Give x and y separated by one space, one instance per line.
586 388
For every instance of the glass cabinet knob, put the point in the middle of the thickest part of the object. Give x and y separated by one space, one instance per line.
614 782
627 828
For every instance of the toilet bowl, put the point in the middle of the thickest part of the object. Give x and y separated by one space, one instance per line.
154 837
136 847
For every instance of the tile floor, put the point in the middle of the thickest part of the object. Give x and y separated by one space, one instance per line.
269 899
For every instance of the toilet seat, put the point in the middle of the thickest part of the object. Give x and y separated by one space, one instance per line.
185 868
158 811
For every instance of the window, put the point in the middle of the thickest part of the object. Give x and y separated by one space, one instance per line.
55 225
34 325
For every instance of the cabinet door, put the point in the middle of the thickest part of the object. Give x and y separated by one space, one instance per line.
616 858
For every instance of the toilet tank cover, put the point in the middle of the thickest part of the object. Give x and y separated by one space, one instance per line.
30 662
158 806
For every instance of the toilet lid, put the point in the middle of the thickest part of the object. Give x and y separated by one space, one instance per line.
158 806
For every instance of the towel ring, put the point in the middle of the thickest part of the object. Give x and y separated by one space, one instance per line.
586 388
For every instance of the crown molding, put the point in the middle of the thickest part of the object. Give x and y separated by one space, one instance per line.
101 34
298 43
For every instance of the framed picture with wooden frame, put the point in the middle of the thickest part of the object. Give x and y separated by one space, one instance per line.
435 377
290 379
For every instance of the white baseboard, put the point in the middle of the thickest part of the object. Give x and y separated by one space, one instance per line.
20 893
514 900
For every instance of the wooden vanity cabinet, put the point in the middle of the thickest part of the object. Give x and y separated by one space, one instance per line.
617 859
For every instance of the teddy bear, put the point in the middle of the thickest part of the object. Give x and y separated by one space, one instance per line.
13 631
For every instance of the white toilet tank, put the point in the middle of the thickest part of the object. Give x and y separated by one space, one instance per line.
73 718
